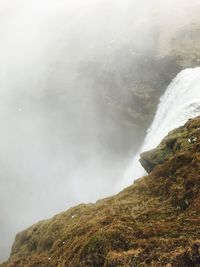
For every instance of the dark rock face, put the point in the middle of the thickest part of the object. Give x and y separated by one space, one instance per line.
154 222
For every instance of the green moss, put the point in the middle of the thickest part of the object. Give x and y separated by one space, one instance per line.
93 252
96 244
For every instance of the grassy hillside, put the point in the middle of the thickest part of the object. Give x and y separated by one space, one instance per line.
155 222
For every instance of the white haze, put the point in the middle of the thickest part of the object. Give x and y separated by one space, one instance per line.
180 102
51 151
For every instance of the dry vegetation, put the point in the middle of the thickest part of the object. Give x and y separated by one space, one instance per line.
155 222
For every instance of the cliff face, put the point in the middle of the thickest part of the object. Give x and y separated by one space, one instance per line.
129 102
154 222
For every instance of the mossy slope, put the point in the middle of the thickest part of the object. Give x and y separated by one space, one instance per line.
155 222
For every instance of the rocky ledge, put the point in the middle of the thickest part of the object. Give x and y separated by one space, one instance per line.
154 222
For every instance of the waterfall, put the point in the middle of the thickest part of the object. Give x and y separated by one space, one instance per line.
180 102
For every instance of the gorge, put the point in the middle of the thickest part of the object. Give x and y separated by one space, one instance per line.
81 82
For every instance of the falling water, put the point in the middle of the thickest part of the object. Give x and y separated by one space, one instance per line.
65 71
180 102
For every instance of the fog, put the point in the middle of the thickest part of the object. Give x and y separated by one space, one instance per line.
64 94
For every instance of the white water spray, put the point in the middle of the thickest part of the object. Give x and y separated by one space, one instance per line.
180 102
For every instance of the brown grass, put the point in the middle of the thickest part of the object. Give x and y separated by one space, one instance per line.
155 222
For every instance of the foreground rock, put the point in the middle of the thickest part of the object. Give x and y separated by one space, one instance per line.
178 140
155 222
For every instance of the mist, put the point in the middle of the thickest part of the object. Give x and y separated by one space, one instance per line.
66 74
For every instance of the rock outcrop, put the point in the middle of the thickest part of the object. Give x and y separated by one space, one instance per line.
178 140
154 222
